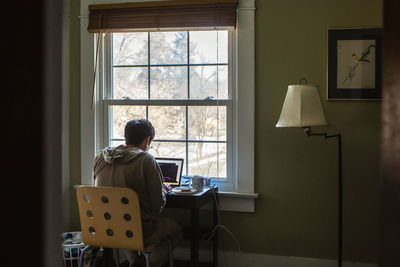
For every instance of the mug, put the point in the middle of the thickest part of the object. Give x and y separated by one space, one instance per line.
207 182
197 183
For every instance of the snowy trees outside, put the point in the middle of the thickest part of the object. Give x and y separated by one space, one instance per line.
175 66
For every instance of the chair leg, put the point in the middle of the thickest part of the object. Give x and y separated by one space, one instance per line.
147 257
81 256
171 255
117 257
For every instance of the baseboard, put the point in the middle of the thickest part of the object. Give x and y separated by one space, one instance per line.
235 259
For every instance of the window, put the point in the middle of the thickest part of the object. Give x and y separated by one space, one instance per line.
236 102
180 81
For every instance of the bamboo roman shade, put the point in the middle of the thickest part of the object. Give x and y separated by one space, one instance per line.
162 14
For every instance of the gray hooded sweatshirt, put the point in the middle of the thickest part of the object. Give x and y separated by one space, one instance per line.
134 168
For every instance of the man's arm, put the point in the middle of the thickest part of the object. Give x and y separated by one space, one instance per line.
98 165
154 186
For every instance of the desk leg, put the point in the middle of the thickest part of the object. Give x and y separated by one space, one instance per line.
215 237
108 257
194 245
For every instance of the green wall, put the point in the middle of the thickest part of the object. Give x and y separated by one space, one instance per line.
296 176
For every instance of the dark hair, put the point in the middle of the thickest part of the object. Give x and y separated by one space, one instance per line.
137 130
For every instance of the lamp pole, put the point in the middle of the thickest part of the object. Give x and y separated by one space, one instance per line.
308 132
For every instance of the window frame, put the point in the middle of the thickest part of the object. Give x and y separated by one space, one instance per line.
241 196
105 101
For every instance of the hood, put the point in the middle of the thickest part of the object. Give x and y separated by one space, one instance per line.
115 155
120 154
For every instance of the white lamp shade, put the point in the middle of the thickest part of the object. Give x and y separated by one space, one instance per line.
302 107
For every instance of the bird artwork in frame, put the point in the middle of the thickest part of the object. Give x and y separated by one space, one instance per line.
357 70
354 64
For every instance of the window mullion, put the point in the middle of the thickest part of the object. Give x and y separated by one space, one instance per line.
187 108
188 64
148 74
187 143
231 109
105 90
171 65
162 102
107 115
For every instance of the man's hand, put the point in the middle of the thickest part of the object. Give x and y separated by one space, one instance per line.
167 187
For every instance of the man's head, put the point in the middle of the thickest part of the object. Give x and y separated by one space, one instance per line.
139 133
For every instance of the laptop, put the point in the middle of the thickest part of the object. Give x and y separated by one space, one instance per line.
171 169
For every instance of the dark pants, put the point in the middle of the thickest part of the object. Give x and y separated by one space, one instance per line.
163 228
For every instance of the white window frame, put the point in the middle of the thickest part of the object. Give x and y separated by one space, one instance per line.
103 128
240 196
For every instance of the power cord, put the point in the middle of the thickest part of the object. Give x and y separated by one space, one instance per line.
219 225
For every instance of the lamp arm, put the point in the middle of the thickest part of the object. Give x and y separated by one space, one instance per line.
309 133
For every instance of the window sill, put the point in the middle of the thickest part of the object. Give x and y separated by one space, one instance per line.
238 194
237 201
232 201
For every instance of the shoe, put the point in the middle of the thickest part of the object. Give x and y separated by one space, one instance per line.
137 264
139 261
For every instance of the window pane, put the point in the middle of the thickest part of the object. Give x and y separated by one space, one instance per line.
130 48
130 82
120 115
207 159
168 83
208 47
223 82
169 150
203 82
116 143
168 48
169 122
207 123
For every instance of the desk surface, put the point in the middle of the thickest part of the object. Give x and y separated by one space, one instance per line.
205 190
195 200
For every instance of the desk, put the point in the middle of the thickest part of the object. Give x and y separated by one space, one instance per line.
194 202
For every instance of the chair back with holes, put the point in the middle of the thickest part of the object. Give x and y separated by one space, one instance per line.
110 217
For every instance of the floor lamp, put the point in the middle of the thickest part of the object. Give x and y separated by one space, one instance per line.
303 108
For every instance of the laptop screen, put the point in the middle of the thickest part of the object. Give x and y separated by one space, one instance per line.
171 169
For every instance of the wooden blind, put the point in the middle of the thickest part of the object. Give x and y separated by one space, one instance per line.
164 14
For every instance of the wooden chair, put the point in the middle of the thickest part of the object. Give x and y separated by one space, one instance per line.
110 218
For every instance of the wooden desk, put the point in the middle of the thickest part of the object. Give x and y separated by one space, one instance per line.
194 202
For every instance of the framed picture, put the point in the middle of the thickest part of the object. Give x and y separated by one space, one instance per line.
354 64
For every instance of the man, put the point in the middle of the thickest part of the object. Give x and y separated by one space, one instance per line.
132 166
